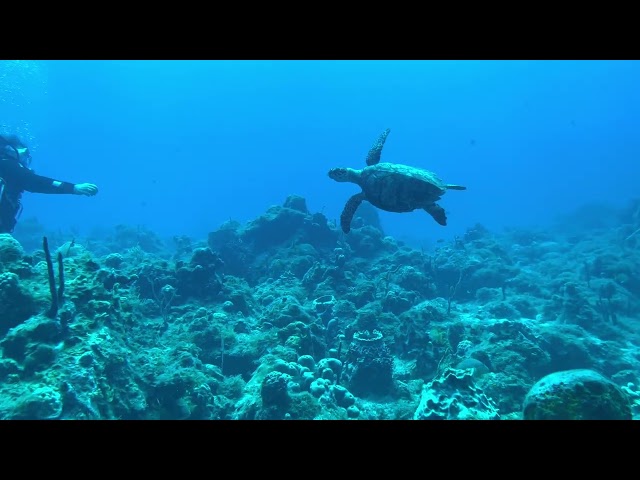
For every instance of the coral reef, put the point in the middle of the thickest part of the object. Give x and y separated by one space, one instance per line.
286 317
576 395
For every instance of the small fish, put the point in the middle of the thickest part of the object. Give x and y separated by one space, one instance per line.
73 242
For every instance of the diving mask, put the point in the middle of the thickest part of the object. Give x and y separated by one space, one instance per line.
21 154
24 156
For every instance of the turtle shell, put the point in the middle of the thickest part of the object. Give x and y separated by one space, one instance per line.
400 188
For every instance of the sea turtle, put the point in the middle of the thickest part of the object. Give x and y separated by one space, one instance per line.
392 187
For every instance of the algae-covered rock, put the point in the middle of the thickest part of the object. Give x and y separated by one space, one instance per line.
579 394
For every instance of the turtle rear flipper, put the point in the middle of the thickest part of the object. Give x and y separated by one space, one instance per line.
456 187
349 211
438 214
373 157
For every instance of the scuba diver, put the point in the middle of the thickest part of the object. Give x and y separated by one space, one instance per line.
16 177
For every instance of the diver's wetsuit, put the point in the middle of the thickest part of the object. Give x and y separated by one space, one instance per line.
16 179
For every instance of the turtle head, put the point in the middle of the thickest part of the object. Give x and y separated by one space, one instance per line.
344 175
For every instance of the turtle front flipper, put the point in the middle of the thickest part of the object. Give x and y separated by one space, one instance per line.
438 214
373 157
349 211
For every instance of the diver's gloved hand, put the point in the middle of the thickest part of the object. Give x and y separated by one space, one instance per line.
88 189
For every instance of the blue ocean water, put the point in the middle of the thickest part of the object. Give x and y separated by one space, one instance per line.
181 146
147 302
